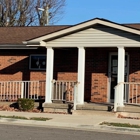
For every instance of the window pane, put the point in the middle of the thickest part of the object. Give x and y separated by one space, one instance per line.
38 62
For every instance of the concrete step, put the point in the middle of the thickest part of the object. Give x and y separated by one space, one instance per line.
92 112
94 106
129 108
67 108
57 107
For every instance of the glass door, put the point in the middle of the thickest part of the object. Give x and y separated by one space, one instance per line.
113 73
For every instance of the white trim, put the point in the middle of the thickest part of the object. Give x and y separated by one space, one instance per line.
49 74
87 45
42 43
2 47
20 48
16 46
109 73
85 25
121 71
121 64
81 75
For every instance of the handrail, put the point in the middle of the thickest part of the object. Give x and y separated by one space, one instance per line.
53 81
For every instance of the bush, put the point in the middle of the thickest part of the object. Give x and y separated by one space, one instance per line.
25 104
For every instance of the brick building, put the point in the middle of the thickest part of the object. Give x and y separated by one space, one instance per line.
97 53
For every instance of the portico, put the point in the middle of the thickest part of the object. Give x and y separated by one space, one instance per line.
93 34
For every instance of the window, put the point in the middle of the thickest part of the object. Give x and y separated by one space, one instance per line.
37 62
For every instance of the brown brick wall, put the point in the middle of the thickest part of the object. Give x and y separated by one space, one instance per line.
38 75
66 64
96 74
67 76
99 88
14 65
134 65
65 68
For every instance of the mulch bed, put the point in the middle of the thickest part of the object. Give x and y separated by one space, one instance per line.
8 108
124 117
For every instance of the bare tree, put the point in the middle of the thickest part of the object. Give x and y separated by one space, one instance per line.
28 13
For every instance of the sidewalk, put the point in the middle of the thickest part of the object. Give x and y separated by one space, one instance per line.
85 122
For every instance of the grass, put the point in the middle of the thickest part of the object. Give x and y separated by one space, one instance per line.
120 124
40 118
14 117
24 118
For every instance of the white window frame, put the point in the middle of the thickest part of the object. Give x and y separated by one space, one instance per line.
31 60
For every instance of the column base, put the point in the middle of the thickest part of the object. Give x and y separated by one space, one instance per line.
121 109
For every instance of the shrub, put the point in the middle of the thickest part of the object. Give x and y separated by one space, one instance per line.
25 104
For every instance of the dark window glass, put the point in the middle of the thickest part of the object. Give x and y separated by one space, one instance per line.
38 62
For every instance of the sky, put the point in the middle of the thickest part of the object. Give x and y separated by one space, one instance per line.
120 11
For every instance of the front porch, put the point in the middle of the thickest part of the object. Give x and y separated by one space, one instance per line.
105 54
64 96
86 60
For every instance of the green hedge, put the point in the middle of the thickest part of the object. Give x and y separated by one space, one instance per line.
25 104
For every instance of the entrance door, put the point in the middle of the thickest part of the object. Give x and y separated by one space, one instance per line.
113 71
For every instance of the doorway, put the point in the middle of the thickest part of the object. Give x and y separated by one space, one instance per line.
113 73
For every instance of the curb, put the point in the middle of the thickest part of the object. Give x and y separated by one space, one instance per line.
125 129
67 125
21 121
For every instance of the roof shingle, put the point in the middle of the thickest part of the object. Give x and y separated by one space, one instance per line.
15 35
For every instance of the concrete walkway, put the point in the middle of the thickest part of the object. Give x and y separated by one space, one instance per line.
84 122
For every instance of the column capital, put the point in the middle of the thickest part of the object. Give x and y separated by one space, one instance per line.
80 47
120 47
42 43
49 47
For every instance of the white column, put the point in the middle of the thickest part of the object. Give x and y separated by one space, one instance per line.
49 74
121 70
81 75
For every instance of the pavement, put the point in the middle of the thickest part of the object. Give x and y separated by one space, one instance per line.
76 121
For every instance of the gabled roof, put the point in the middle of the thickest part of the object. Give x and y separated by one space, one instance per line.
15 35
82 26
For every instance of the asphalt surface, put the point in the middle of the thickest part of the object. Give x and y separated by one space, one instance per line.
77 122
14 132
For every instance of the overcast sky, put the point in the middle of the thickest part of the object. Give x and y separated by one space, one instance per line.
120 11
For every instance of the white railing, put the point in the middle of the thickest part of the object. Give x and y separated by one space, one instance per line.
12 90
131 94
63 90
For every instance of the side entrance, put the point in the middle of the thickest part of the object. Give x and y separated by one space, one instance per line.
113 73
